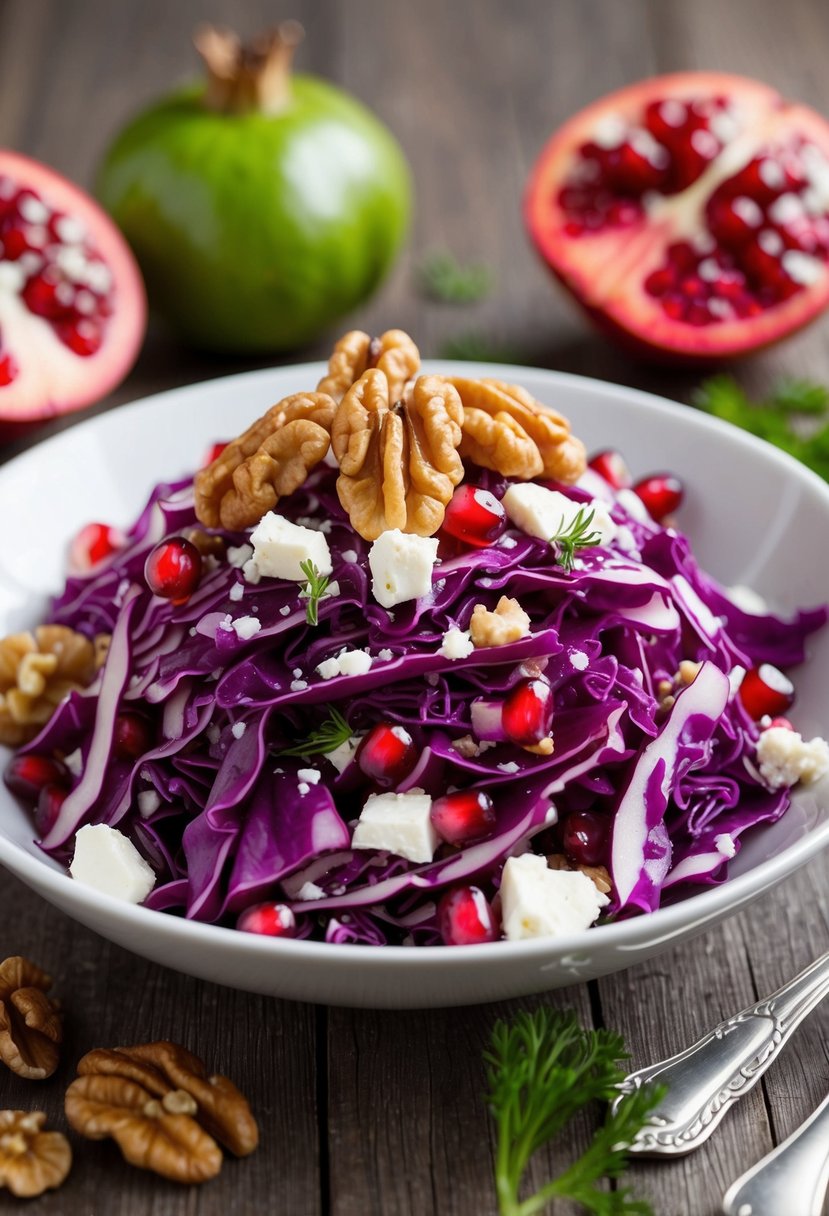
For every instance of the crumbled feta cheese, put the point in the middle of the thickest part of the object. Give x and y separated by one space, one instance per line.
310 890
539 902
328 668
74 762
238 729
303 788
148 803
456 644
509 767
296 673
106 860
541 512
252 573
246 627
213 733
785 757
401 566
725 844
579 660
386 655
279 547
508 542
238 555
350 555
226 623
285 610
298 685
311 775
236 592
354 662
342 756
399 824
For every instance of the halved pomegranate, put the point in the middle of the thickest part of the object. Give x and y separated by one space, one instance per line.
72 305
689 214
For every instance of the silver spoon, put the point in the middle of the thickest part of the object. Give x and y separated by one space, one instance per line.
705 1080
793 1177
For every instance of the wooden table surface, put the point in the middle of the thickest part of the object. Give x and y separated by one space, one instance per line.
381 1113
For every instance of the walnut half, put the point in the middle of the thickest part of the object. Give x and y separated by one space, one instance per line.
398 458
30 1023
31 1160
37 670
393 353
157 1102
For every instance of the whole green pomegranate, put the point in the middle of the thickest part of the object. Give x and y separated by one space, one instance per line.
261 206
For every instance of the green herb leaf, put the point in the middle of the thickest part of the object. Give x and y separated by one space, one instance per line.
576 536
541 1070
327 737
476 347
794 417
444 279
313 591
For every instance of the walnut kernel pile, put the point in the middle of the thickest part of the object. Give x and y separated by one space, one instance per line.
37 670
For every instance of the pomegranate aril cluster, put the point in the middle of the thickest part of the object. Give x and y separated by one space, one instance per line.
47 259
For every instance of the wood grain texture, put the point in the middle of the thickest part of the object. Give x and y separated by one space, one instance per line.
381 1113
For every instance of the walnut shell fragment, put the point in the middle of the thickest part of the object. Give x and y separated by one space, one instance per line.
271 459
31 1160
398 459
30 1023
506 429
157 1102
393 353
37 670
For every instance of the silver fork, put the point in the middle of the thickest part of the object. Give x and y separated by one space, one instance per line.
705 1080
797 1167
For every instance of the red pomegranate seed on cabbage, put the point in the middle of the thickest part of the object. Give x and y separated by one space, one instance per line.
268 920
463 817
766 691
173 569
465 917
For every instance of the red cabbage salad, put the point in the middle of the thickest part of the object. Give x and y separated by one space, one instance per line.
338 755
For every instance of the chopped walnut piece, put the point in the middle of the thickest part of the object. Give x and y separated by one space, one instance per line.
30 1023
507 623
688 671
207 543
164 1112
101 643
37 670
393 353
398 459
598 875
31 1160
506 429
271 459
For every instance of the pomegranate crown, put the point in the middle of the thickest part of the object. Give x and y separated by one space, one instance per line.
248 76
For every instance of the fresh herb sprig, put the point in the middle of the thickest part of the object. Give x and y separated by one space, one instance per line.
313 591
541 1070
476 347
794 416
327 737
577 535
441 277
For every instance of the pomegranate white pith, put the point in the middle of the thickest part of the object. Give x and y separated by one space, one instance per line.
72 305
689 214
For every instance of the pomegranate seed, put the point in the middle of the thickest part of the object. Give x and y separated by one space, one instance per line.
528 711
84 337
387 754
8 370
611 466
659 281
14 244
765 690
463 817
584 836
666 119
268 920
93 544
213 453
662 494
42 298
173 569
50 800
132 736
27 775
628 169
733 221
475 516
465 917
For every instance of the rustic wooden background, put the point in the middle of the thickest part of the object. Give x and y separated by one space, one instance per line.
380 1114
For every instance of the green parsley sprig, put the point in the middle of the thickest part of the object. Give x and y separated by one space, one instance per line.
574 537
794 416
327 737
541 1070
313 591
441 277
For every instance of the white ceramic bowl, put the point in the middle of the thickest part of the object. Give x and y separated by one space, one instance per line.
755 516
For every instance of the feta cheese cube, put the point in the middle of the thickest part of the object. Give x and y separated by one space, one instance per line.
309 775
401 566
398 823
279 547
328 668
106 860
342 756
541 512
238 729
354 662
246 627
236 592
785 757
456 644
539 902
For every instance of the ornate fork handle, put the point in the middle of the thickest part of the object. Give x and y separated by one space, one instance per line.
799 1166
706 1079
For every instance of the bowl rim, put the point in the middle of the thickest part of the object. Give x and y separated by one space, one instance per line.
665 923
